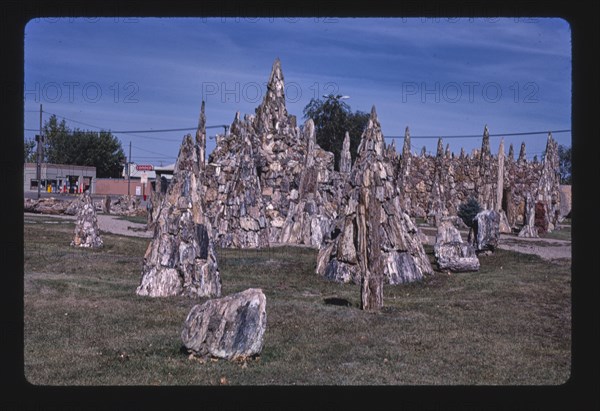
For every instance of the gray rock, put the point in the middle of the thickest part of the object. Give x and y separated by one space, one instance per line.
372 234
180 259
486 230
231 327
529 230
451 253
87 233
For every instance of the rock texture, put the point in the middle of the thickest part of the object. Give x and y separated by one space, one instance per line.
529 230
438 184
486 230
51 206
180 260
128 205
271 178
451 253
87 233
372 234
231 327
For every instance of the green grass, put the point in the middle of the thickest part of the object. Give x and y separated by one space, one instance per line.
509 323
564 233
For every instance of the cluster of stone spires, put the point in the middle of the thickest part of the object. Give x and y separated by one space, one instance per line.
267 182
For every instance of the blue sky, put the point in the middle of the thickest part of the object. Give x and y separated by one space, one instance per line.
440 77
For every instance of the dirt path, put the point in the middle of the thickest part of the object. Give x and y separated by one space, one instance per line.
107 223
547 248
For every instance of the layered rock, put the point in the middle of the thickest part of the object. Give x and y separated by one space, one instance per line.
231 327
51 206
310 218
180 260
87 233
548 190
451 253
529 229
372 230
486 231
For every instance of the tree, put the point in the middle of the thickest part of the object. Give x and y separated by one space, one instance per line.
564 161
29 155
98 149
332 118
467 211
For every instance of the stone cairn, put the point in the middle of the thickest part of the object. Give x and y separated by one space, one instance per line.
87 233
180 259
373 240
290 189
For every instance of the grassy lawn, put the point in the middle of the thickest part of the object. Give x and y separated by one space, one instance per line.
563 234
510 323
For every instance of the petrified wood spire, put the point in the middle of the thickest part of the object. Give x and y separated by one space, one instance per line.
180 259
372 230
346 158
87 233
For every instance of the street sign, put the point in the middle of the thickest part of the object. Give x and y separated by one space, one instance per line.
144 167
144 178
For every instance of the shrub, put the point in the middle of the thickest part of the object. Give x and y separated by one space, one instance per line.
467 211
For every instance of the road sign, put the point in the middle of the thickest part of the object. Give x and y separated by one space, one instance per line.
144 167
144 178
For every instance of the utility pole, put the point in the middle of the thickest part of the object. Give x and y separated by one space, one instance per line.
129 171
40 140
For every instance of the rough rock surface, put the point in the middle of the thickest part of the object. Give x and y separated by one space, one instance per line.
503 225
87 233
180 260
372 232
290 189
451 252
529 230
231 327
486 230
128 205
51 206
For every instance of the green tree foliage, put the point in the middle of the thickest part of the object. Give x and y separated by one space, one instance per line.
564 161
84 148
467 211
29 155
332 118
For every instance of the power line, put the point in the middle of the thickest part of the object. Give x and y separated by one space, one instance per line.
491 135
136 131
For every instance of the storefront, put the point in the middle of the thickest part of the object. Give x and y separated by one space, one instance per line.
59 178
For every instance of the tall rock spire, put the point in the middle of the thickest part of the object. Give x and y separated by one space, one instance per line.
500 180
522 157
201 138
372 138
180 259
346 158
271 115
485 143
440 148
406 146
511 153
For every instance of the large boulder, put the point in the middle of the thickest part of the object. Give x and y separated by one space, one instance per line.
451 253
87 233
231 327
486 231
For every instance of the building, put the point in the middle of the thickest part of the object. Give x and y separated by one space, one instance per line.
140 182
57 178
